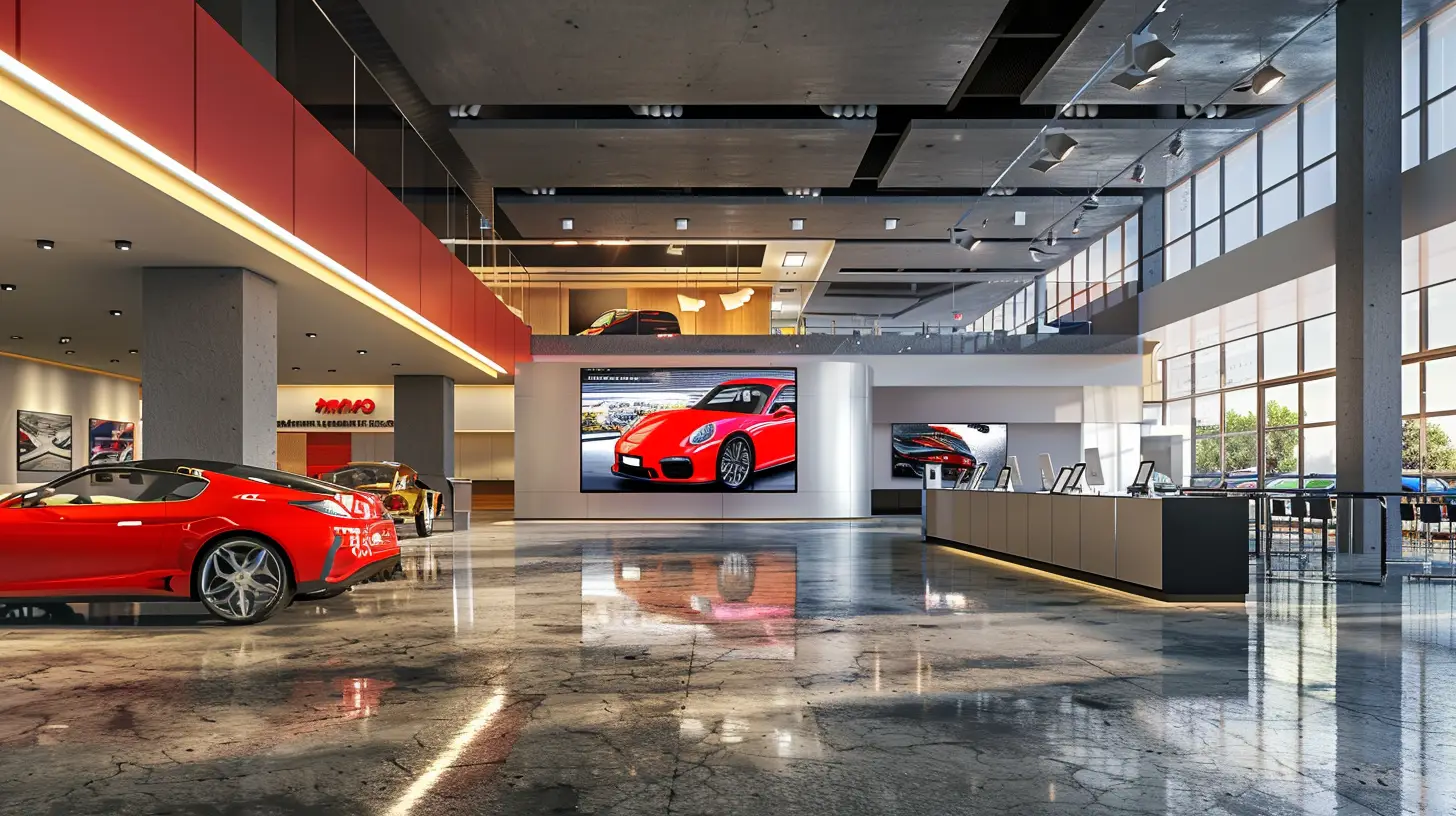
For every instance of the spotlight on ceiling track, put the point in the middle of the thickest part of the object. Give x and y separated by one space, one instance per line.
124 246
7 287
851 111
680 223
690 304
803 192
1176 148
1057 144
1139 172
1264 80
962 237
45 243
1077 226
464 111
1091 203
1037 256
1146 52
539 190
658 111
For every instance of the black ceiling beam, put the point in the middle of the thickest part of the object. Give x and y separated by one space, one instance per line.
1026 35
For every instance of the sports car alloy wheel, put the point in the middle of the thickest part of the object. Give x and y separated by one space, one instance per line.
735 462
242 581
425 521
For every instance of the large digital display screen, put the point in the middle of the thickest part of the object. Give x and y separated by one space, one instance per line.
955 447
689 429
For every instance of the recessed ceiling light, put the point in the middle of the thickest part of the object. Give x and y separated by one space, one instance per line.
133 351
65 340
333 371
362 351
70 351
115 361
115 313
394 365
16 337
792 259
7 287
568 224
310 335
681 223
124 246
796 224
892 223
296 368
45 243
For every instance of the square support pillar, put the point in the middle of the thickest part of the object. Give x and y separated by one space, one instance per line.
210 365
424 429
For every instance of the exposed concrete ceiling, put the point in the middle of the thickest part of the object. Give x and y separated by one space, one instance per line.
59 191
534 52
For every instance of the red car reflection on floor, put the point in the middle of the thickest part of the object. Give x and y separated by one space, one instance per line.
242 540
739 428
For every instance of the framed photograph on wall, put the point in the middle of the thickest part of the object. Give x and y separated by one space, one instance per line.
111 441
689 429
44 443
955 447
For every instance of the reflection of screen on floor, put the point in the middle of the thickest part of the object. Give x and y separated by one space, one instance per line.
1063 477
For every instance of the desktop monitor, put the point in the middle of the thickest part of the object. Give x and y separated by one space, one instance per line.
1093 457
1015 470
1048 471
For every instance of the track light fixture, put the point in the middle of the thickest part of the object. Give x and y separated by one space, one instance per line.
1139 172
674 249
1056 147
1077 226
962 237
1051 238
1176 148
1145 55
1091 203
1265 79
539 190
7 287
690 304
45 243
851 111
464 111
124 246
803 192
658 111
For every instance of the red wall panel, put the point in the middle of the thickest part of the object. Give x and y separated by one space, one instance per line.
244 125
505 333
327 451
523 343
328 193
131 61
462 302
393 241
8 25
485 322
434 279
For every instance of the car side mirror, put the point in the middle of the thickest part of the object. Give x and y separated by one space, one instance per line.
35 497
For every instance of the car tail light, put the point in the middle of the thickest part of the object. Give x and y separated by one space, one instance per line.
328 507
394 502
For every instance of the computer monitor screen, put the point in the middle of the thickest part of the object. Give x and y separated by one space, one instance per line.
1144 474
1077 471
1003 480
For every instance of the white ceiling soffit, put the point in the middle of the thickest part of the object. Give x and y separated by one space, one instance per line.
557 52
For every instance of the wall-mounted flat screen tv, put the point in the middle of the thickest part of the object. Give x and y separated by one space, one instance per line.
689 429
955 447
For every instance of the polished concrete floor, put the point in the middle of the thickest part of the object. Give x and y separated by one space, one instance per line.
735 669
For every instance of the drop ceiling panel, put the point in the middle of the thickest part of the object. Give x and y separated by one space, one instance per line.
829 217
949 153
532 52
1217 44
666 153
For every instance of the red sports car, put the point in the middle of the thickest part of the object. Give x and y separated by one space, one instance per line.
739 428
242 540
915 445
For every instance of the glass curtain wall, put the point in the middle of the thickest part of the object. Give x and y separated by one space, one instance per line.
1251 385
1013 315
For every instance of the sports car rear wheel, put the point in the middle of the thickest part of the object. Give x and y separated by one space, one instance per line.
243 580
735 462
425 520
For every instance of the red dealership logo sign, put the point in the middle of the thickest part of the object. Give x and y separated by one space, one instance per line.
363 406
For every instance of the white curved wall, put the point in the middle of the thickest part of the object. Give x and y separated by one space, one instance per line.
833 458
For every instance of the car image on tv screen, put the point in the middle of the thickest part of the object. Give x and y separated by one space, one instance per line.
689 429
953 446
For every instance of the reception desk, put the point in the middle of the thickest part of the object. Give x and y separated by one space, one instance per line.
1173 549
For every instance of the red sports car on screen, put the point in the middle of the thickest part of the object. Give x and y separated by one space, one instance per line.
244 541
915 445
739 428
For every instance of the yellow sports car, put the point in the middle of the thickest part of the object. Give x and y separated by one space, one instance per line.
405 496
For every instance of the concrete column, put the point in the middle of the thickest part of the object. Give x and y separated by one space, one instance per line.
424 429
1367 265
1150 239
1039 304
210 365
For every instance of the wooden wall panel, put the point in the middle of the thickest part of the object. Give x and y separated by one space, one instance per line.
132 61
244 125
293 452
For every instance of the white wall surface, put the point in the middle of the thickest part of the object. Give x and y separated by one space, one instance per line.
30 386
833 455
477 407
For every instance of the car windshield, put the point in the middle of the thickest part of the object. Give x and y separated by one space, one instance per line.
742 398
357 476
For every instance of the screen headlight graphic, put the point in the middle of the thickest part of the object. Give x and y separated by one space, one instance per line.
701 435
